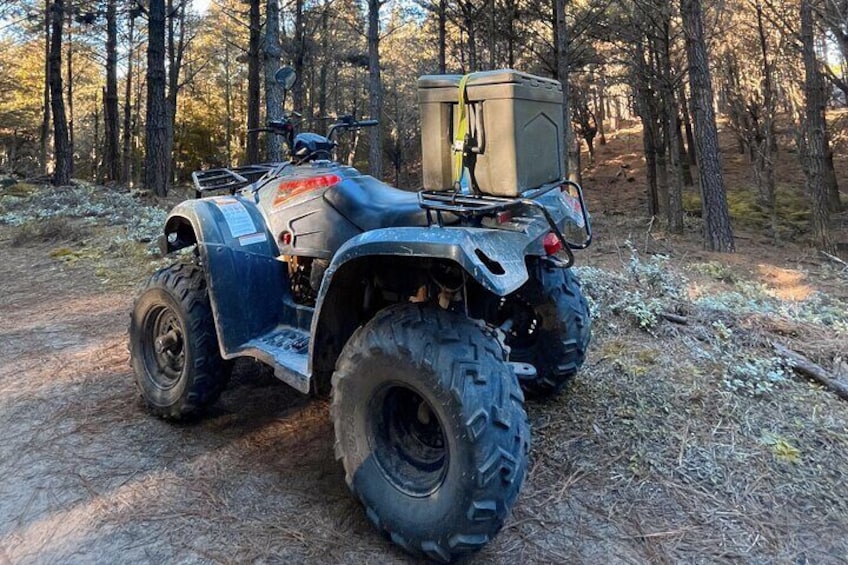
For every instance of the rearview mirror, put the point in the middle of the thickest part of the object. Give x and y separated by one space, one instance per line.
285 77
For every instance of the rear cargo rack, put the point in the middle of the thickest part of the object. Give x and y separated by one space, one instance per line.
229 179
437 202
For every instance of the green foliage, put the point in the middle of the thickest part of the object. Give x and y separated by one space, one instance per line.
781 448
755 376
716 270
792 204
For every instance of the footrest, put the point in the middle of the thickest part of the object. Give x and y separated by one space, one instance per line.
287 350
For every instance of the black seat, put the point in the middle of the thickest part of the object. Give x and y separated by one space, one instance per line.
370 204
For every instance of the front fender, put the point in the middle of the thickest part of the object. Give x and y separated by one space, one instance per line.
247 285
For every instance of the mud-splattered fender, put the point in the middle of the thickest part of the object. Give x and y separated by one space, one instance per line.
494 258
247 284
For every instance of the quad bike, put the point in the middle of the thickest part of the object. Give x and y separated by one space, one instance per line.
425 316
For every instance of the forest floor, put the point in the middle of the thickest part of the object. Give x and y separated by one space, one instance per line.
677 442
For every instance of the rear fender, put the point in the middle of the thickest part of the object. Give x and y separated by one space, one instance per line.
247 284
493 258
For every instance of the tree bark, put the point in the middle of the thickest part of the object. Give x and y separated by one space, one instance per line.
375 89
687 126
814 129
669 116
45 120
157 158
325 48
126 164
834 200
111 158
70 86
601 111
767 144
254 92
649 144
61 142
176 50
572 149
273 91
718 233
443 20
298 57
228 102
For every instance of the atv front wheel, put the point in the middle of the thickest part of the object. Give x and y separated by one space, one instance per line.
552 330
431 429
173 346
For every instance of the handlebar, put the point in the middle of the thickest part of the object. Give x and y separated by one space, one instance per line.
347 122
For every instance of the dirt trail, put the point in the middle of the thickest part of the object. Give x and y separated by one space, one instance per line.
89 476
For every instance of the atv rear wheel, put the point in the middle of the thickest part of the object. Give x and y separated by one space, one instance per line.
173 346
552 330
431 429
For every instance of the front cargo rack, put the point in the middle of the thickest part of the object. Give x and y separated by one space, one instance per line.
230 179
436 202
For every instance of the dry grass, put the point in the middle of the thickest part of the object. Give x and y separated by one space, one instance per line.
50 230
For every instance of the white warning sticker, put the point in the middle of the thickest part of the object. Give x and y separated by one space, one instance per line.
236 215
252 238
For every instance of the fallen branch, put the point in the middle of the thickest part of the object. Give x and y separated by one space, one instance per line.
682 320
834 258
805 367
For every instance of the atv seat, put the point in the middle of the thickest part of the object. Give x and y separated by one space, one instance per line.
370 204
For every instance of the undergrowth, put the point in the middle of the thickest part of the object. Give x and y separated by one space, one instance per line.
43 214
721 329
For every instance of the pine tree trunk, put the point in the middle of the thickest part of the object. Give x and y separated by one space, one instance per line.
111 158
602 109
273 91
718 233
176 49
834 200
674 213
70 86
126 157
649 145
298 57
443 20
814 130
766 145
570 146
254 92
375 89
687 126
61 142
325 49
228 104
157 158
45 119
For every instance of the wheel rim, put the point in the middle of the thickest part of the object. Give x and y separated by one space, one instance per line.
164 347
407 440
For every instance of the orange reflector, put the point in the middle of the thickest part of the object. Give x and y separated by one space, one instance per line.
552 244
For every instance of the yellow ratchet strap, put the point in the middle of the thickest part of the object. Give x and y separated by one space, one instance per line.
462 130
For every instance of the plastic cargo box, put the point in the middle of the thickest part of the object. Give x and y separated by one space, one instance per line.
515 126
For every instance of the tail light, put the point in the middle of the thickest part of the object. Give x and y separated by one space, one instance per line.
504 217
552 244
